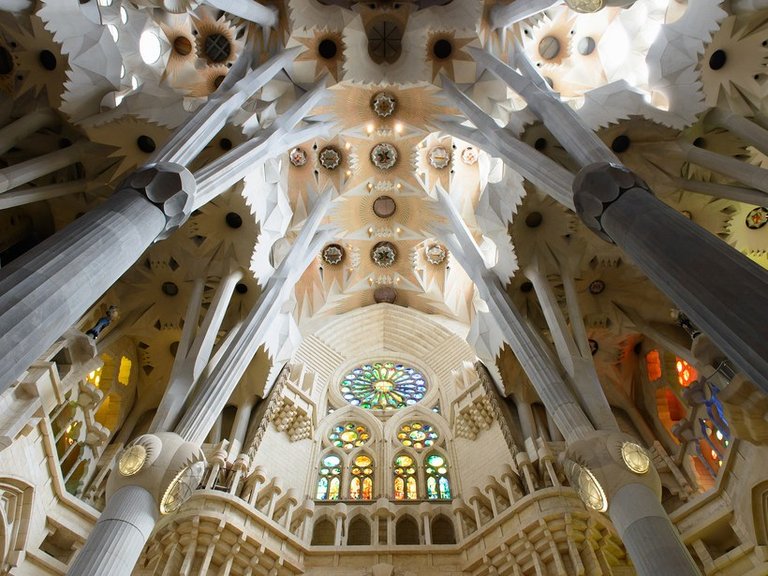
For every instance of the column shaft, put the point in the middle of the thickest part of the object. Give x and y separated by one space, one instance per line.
721 290
29 195
248 10
17 130
503 15
653 543
749 131
45 291
28 170
119 536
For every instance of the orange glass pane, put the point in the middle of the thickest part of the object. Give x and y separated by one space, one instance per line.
653 365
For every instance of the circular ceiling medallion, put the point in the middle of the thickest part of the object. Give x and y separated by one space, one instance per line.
385 294
384 206
596 287
439 157
384 254
635 458
333 254
298 157
469 156
757 218
436 254
590 491
329 158
384 104
384 156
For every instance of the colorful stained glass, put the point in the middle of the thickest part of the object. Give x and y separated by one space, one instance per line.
438 486
329 482
417 435
361 486
406 487
349 436
383 386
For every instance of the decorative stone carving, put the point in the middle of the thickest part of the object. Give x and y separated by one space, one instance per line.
439 157
384 254
436 254
330 158
384 104
469 156
597 186
384 156
298 157
333 254
170 187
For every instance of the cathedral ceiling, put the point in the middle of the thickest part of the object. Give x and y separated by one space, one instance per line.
123 75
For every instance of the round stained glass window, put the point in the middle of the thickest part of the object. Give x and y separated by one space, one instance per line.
383 386
417 435
349 436
363 461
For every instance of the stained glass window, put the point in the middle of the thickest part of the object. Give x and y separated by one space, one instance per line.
405 478
685 373
438 486
329 483
383 386
361 486
349 435
417 435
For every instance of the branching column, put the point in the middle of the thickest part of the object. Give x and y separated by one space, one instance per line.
721 290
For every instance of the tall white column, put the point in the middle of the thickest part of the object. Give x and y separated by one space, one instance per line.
26 171
24 196
749 131
119 536
213 392
503 15
27 125
721 290
194 351
577 363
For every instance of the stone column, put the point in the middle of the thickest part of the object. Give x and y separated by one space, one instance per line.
613 474
579 367
215 390
747 130
134 493
119 536
248 10
27 125
51 286
240 426
26 171
721 290
503 15
194 350
29 195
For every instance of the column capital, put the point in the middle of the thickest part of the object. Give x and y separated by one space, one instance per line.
169 186
599 185
605 462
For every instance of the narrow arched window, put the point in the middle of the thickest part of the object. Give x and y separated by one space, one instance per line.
329 481
405 483
361 485
436 473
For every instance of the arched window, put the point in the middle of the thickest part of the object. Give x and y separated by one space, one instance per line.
361 485
405 483
329 482
436 469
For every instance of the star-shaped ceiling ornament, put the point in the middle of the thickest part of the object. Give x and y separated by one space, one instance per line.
445 53
325 48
